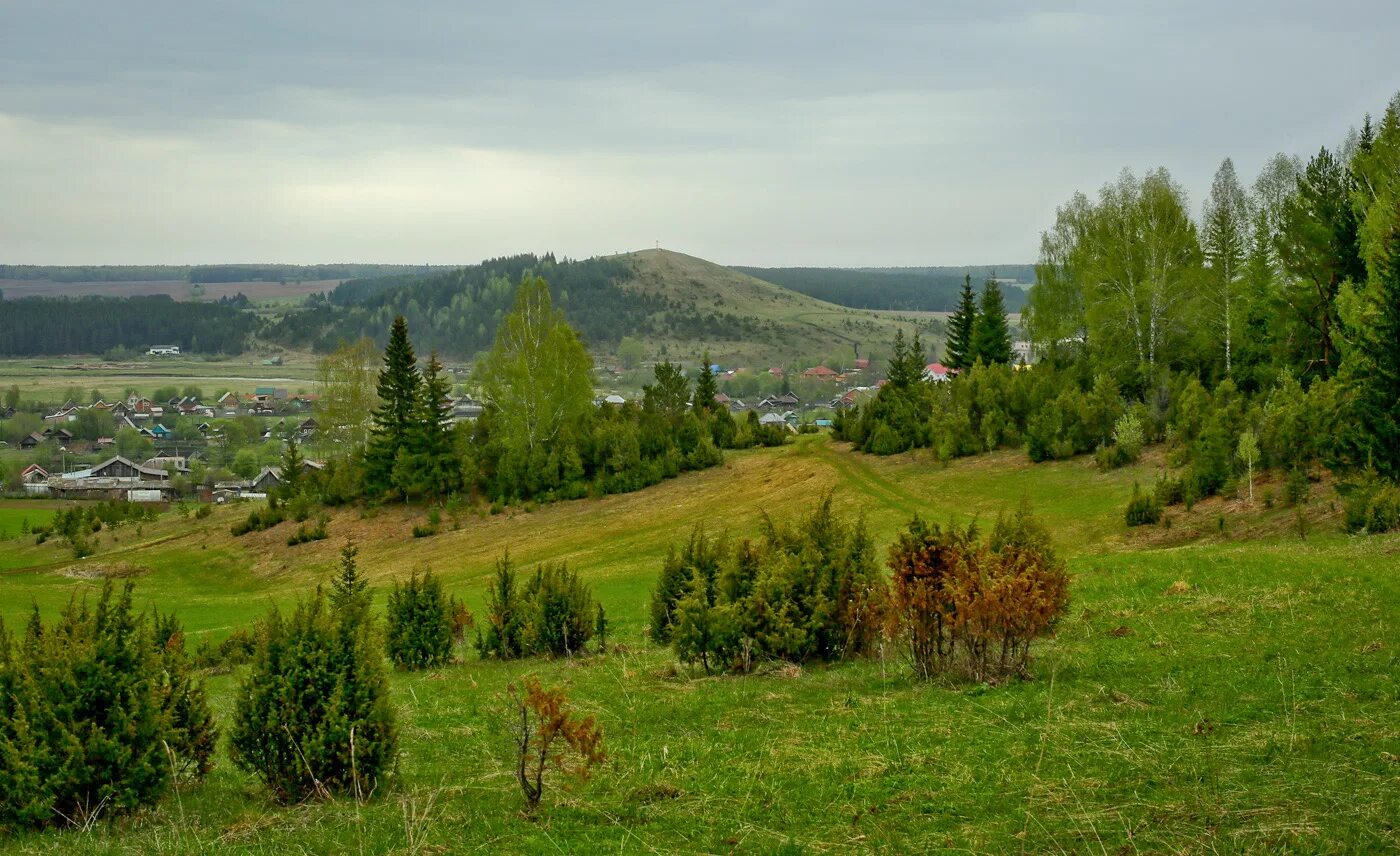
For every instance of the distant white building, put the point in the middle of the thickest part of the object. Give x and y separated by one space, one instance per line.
164 351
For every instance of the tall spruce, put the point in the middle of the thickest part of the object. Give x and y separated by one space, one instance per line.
907 363
991 335
293 466
705 387
1319 247
1378 399
393 420
960 350
427 464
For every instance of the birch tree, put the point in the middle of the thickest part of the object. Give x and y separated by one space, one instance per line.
1132 260
538 374
346 385
1225 235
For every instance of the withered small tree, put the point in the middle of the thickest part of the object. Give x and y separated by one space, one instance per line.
927 562
548 735
973 607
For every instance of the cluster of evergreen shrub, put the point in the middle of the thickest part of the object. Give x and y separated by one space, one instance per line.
257 520
811 591
552 613
77 523
99 713
312 716
421 623
1370 504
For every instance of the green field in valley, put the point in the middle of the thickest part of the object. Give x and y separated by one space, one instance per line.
1217 686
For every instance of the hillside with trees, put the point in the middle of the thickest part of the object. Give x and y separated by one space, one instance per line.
672 301
910 289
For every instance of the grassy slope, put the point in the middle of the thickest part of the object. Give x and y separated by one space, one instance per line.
1255 711
806 325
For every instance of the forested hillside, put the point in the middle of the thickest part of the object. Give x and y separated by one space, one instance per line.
91 325
666 298
909 289
456 312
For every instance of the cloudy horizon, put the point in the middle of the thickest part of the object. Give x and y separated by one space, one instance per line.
791 134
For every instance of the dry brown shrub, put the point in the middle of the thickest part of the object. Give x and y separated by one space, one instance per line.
548 735
970 607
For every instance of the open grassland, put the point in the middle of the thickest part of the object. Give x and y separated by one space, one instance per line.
800 325
49 378
1204 694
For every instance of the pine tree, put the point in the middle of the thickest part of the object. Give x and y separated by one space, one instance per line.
393 420
705 388
991 336
959 352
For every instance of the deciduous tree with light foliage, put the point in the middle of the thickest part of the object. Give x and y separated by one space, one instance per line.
538 375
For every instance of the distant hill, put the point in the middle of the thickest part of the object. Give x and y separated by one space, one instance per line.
665 298
910 289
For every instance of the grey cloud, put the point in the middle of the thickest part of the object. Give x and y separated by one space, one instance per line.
789 132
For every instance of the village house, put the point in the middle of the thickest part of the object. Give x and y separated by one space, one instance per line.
115 478
165 463
780 402
229 403
271 477
936 372
62 416
820 373
467 409
62 435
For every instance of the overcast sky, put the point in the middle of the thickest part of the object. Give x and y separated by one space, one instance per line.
748 133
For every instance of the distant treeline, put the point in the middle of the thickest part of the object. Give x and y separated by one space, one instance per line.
94 273
1020 273
890 288
205 273
278 273
456 313
92 325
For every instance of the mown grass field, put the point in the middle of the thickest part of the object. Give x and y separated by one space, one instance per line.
49 378
176 289
1211 690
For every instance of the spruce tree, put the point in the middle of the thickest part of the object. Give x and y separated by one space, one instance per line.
292 465
393 420
427 464
991 335
705 388
349 590
959 352
1378 401
901 373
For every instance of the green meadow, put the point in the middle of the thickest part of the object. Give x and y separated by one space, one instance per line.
1219 685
